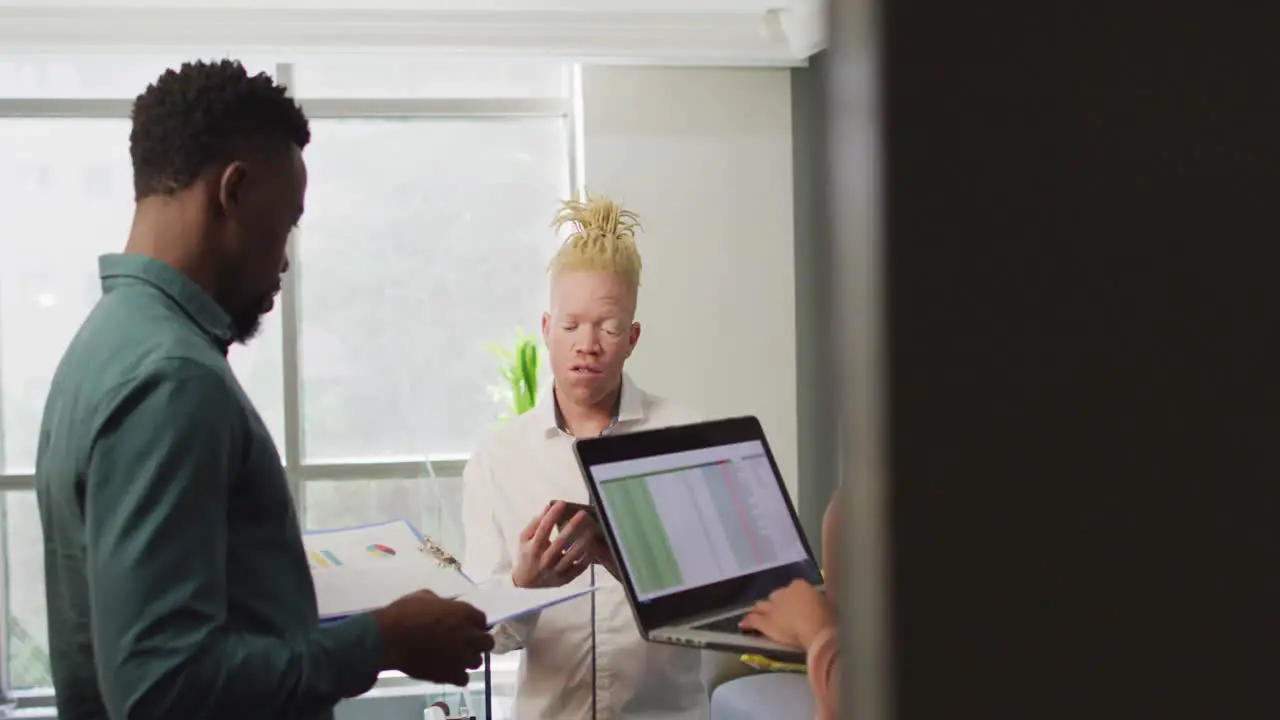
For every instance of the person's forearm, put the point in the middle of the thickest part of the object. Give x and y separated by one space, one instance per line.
831 544
242 675
823 668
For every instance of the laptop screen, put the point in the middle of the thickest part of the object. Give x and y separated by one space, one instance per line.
697 517
690 519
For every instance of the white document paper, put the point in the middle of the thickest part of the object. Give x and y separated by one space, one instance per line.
364 568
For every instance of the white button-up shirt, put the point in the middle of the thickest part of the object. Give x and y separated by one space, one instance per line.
516 472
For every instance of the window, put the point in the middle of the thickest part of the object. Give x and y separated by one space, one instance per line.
432 183
424 502
81 77
25 628
401 280
70 191
442 76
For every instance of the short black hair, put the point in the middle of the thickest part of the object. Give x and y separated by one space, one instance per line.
201 114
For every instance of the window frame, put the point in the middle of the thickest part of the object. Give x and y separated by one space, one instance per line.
39 702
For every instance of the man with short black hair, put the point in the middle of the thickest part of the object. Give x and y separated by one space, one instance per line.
176 578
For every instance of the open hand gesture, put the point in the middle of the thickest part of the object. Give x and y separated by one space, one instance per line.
544 562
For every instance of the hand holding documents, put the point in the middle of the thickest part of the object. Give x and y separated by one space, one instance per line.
364 568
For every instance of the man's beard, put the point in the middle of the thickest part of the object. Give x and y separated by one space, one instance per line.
245 325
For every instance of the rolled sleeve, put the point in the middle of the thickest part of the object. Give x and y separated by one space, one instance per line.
156 507
488 561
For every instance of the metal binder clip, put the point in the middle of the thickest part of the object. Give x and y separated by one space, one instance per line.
433 550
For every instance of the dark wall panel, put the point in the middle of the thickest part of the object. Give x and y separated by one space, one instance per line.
1083 401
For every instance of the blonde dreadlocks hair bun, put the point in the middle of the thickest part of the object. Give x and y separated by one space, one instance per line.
603 239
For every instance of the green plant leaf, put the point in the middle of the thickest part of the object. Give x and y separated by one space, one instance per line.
518 364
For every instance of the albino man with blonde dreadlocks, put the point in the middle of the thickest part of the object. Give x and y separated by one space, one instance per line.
515 486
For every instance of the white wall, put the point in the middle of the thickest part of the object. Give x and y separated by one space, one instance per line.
704 156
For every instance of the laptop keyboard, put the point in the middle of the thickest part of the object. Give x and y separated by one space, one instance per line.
726 625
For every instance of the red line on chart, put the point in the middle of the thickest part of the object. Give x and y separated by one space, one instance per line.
742 513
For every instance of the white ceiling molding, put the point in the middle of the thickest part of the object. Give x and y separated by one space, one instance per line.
804 25
742 35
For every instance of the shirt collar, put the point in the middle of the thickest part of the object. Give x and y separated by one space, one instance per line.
123 269
630 407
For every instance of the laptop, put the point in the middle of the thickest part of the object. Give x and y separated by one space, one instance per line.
701 527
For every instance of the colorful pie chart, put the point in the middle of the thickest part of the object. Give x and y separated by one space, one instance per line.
380 550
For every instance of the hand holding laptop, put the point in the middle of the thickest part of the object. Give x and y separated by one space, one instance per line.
548 562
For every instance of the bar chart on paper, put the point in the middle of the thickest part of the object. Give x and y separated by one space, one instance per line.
321 559
701 522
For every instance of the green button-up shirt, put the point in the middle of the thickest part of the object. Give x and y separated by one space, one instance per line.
178 587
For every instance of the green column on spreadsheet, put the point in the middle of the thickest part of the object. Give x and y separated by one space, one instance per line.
642 534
